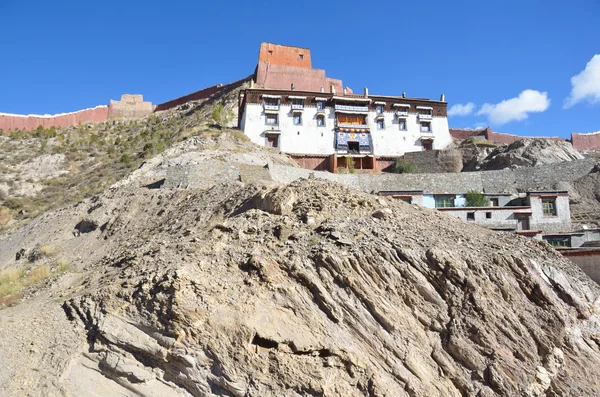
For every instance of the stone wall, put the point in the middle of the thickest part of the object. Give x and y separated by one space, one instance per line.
588 260
13 122
503 181
435 161
206 174
130 106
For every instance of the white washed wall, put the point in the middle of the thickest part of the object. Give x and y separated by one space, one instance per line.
311 139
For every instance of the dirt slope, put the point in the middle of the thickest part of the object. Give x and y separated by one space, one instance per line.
309 289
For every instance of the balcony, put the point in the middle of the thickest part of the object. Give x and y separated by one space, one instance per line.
352 108
402 113
424 116
355 126
271 106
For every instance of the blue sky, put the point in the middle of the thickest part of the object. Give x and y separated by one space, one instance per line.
67 55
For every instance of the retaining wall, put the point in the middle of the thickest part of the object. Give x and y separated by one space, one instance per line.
435 161
502 181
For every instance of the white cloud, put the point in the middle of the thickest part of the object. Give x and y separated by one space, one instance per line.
586 85
461 110
516 109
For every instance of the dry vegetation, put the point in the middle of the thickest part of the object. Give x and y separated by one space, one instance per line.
95 156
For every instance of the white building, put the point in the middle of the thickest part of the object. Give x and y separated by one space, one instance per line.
337 128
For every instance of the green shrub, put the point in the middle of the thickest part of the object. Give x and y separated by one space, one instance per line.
402 166
126 159
475 199
221 116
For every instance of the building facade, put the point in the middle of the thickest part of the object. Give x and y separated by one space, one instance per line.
535 214
315 116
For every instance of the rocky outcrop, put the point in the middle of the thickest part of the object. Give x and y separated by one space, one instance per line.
528 153
312 289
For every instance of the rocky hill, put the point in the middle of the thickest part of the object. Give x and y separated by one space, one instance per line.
304 289
50 168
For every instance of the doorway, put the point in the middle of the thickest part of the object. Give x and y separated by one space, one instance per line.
272 141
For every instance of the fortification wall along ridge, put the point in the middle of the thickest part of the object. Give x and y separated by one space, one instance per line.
31 122
585 142
496 137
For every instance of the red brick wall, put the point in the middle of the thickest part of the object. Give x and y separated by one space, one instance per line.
28 123
284 55
586 142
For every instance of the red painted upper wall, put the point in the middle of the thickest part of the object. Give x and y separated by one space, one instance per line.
280 66
283 55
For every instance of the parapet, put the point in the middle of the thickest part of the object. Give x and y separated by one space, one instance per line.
130 106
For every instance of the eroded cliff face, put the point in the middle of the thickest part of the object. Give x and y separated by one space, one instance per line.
308 289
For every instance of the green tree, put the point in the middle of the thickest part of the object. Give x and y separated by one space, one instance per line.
475 199
222 117
402 166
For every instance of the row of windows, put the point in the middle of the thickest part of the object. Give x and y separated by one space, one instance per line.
273 119
299 103
560 242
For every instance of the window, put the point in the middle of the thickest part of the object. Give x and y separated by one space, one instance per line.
493 202
380 124
297 103
406 199
425 112
379 109
298 119
488 215
271 103
444 201
301 56
402 124
470 216
549 206
564 242
320 105
351 119
353 147
272 119
425 126
320 121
